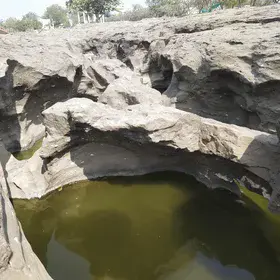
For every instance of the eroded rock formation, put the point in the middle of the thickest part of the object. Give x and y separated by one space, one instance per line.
223 66
198 95
17 260
140 138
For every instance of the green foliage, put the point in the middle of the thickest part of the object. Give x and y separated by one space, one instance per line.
10 24
30 16
77 5
57 15
23 155
97 7
233 3
28 22
137 13
200 4
170 7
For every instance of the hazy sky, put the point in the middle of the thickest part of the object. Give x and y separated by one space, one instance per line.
17 8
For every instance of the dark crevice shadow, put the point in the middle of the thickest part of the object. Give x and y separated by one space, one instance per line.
219 94
226 96
126 49
181 179
4 218
43 95
8 96
123 51
262 157
77 81
9 125
160 70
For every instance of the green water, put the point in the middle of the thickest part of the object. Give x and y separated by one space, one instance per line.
23 155
163 226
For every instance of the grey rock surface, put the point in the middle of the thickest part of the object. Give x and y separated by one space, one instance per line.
79 122
26 177
223 66
230 74
17 260
130 91
97 75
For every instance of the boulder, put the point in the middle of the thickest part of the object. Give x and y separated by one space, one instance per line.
97 75
26 177
151 136
129 91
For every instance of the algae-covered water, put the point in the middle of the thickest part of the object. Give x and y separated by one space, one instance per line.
27 154
164 226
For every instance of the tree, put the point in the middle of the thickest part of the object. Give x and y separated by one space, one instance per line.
57 15
97 7
28 22
10 24
233 3
200 4
30 16
137 12
100 7
76 5
170 7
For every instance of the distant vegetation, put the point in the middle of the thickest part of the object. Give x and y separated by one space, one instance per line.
93 7
94 10
54 14
160 8
137 12
57 15
28 22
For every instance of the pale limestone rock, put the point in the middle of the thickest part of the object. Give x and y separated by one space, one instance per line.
129 91
97 75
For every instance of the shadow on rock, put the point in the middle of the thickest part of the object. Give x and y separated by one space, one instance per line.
262 158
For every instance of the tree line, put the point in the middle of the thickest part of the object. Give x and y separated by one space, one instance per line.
55 13
94 10
160 8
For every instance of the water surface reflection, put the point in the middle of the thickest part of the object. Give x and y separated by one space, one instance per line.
163 226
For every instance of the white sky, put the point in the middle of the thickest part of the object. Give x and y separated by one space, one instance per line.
17 8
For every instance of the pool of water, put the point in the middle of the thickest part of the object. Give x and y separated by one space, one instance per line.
27 154
163 226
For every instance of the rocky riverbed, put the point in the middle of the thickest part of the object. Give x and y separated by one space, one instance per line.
198 94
